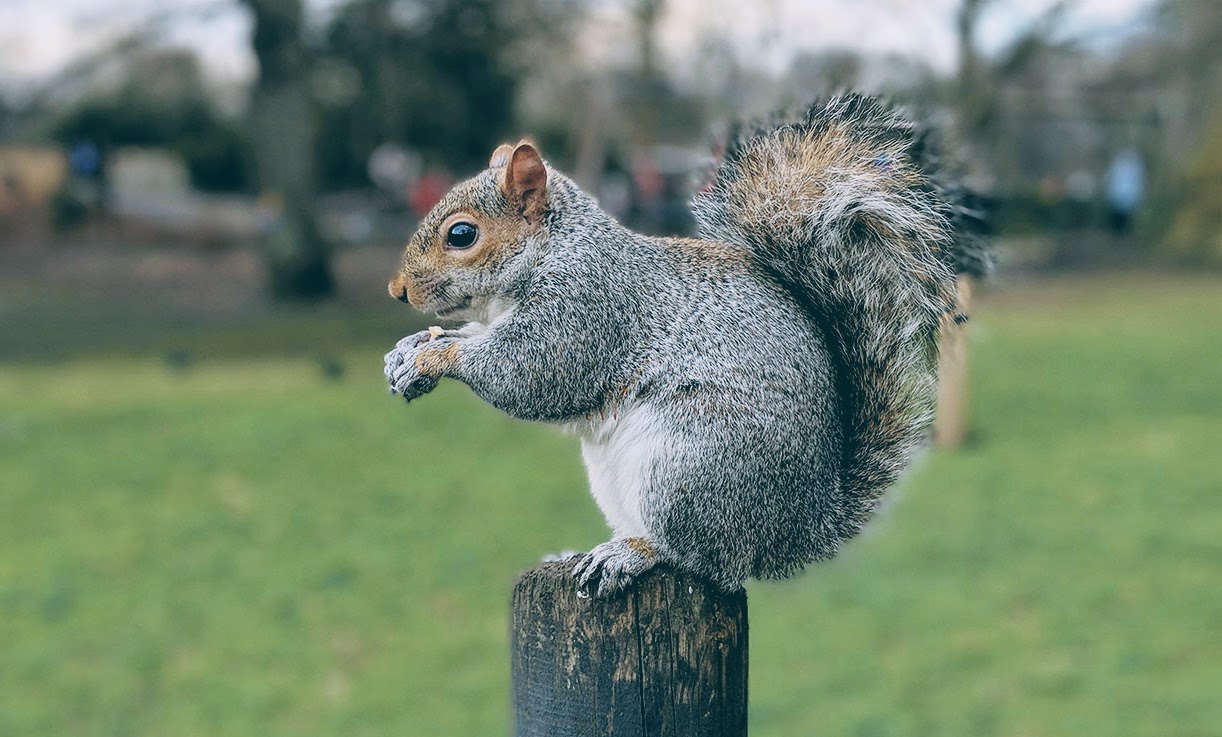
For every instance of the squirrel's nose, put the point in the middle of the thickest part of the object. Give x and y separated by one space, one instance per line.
398 289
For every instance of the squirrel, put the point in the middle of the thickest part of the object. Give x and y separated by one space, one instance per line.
742 398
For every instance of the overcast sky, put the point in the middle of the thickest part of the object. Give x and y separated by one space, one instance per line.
38 37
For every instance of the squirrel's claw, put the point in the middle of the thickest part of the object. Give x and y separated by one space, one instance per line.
614 564
400 370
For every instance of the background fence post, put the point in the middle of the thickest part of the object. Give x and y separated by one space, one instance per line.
953 416
668 658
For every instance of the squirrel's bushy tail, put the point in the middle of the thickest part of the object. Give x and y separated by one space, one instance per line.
840 204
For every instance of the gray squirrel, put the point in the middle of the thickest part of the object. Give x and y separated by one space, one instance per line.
742 399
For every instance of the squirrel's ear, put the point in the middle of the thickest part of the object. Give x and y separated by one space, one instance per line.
500 156
525 182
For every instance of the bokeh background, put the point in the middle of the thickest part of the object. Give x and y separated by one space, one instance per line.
215 521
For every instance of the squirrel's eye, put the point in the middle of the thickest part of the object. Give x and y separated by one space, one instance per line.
461 235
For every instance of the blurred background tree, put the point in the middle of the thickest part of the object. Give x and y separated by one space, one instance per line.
442 76
284 133
1195 230
436 84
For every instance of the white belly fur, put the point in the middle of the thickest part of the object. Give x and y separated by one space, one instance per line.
619 453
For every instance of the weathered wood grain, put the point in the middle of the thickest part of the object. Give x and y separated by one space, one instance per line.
668 658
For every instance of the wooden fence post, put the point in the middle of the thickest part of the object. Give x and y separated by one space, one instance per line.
950 424
667 658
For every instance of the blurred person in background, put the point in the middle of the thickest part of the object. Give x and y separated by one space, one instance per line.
1126 185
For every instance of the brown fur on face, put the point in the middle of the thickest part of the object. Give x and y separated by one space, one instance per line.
398 287
504 206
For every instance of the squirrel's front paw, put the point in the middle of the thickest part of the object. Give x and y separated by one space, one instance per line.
402 371
615 564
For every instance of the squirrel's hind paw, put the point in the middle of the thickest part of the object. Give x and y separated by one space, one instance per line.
615 564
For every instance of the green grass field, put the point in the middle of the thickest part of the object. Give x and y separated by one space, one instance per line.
246 548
